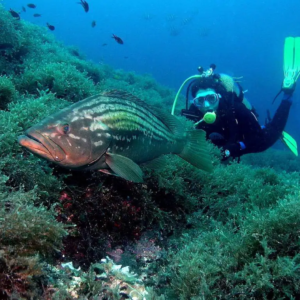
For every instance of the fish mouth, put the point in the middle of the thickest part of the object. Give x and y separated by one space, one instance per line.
42 146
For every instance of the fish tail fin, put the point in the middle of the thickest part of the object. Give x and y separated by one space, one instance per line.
196 151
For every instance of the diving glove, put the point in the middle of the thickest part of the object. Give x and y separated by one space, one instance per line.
231 150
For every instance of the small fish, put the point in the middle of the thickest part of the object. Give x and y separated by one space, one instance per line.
93 24
114 132
187 20
104 44
125 57
174 31
148 16
23 9
85 5
51 27
14 14
171 17
37 15
6 46
31 5
118 39
74 52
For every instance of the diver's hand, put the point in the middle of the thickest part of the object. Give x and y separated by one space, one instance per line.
231 150
217 139
289 90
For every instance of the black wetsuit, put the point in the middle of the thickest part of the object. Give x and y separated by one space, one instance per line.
237 129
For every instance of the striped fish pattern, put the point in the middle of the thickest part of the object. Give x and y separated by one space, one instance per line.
114 132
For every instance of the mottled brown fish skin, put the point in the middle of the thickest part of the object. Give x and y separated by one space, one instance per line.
79 136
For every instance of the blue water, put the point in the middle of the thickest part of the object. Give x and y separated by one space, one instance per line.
170 39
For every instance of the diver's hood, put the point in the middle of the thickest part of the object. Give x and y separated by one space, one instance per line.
205 92
220 83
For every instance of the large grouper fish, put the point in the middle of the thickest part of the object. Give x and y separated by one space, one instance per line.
114 132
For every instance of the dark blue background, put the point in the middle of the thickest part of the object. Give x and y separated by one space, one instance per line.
242 37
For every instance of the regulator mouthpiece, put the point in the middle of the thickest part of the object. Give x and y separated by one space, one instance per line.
210 117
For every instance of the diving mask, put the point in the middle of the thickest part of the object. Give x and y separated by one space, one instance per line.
206 98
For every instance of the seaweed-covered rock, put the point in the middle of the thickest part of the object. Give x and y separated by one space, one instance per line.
27 233
27 228
8 92
60 78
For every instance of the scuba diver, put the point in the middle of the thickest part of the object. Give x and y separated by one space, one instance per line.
219 107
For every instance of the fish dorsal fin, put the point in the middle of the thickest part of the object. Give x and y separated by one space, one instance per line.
126 96
174 125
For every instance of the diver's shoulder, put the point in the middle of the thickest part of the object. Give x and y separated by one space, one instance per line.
240 106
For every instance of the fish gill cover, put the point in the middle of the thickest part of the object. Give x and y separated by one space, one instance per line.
182 234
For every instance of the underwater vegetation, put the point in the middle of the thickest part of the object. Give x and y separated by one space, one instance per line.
181 234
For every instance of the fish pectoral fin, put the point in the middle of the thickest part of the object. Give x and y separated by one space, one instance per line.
124 167
109 172
157 163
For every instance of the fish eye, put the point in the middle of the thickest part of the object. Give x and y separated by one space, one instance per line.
65 128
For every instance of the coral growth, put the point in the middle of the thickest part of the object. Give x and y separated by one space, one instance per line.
104 280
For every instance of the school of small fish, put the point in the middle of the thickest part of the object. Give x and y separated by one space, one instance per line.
51 27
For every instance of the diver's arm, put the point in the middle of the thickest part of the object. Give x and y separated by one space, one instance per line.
255 139
192 113
251 131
